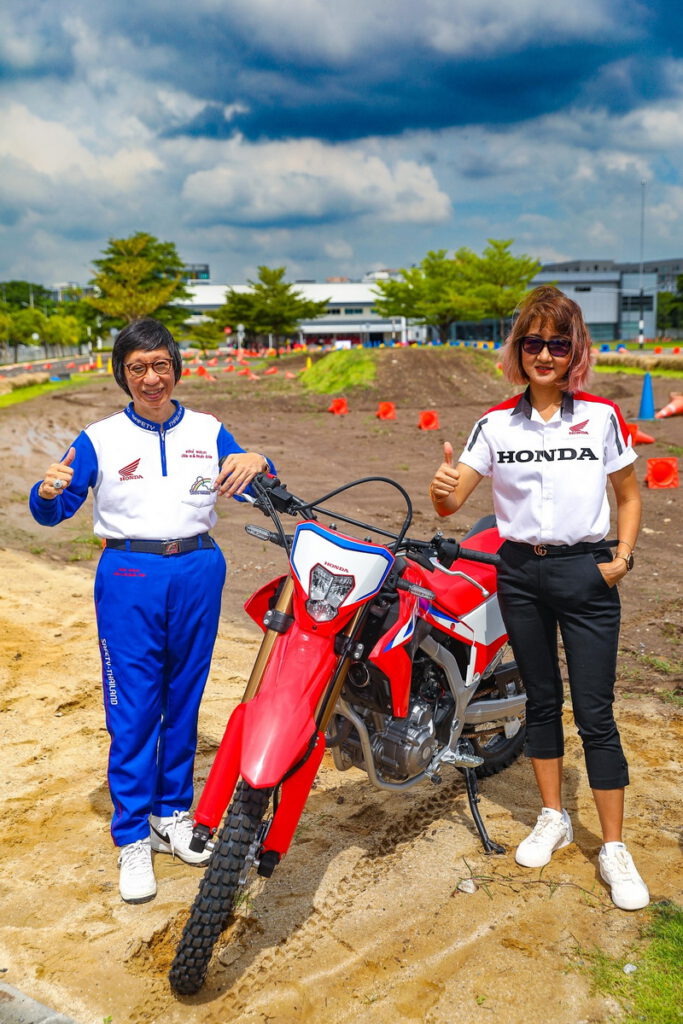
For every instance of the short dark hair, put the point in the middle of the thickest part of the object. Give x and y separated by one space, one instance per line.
146 335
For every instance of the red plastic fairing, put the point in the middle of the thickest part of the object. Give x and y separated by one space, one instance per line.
455 592
224 773
293 796
279 721
260 601
390 655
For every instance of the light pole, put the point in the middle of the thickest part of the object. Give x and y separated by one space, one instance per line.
641 321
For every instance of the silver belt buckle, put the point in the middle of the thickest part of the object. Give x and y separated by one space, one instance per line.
540 550
171 547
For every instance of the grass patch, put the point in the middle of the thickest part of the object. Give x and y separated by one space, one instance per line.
674 449
341 371
663 665
655 371
86 548
35 390
674 697
654 992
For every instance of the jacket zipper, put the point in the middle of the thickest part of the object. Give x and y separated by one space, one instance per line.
162 445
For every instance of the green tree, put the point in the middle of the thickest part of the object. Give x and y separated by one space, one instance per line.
17 295
5 332
63 331
139 276
670 308
499 279
271 307
28 328
207 333
74 303
436 293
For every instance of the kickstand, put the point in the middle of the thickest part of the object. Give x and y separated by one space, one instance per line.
473 797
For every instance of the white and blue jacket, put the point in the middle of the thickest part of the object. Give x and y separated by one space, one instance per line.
150 481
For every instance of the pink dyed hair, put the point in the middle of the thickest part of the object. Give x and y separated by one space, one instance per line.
551 306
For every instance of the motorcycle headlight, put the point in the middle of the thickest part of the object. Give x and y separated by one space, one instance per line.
326 591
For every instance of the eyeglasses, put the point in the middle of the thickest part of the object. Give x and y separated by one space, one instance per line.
558 347
160 366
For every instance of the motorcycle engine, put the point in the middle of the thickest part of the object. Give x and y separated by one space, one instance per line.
401 747
406 745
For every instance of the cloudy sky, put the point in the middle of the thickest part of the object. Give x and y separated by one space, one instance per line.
337 136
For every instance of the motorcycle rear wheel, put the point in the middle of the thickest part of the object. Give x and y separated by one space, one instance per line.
497 749
218 888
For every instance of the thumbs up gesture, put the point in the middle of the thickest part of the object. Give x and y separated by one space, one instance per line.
446 478
58 476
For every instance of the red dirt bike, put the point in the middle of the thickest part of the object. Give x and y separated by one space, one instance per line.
388 654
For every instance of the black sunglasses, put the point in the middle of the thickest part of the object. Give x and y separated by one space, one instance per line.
558 347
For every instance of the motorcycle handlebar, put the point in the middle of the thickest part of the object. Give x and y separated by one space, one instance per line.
276 494
447 552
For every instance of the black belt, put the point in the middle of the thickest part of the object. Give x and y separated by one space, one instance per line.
203 541
558 550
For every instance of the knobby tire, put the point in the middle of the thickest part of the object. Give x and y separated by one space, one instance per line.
218 888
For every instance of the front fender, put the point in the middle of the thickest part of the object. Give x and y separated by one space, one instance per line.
280 720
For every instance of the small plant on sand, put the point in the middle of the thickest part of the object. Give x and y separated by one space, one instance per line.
653 991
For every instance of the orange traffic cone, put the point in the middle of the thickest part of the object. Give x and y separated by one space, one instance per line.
429 420
270 370
212 362
662 472
186 372
289 375
637 435
229 369
339 407
673 408
386 411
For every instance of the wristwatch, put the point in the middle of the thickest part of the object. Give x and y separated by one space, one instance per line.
628 559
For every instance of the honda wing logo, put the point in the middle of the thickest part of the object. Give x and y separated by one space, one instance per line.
578 428
129 472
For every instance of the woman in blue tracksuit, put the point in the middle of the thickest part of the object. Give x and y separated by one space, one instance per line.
156 470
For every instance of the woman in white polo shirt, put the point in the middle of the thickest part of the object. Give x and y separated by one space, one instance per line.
550 452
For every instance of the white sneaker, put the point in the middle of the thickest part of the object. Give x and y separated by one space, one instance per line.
136 877
552 831
628 890
173 835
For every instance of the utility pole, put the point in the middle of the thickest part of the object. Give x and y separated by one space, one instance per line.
641 321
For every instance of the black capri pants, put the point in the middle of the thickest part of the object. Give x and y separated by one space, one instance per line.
565 587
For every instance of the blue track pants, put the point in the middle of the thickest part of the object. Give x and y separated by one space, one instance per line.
157 619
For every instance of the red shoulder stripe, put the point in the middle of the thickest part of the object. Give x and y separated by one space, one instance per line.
509 403
585 396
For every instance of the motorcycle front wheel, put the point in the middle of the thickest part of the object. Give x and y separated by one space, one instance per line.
225 875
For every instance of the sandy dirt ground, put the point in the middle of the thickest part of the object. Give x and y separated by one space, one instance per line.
363 921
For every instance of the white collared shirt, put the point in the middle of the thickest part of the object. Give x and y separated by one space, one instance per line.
549 479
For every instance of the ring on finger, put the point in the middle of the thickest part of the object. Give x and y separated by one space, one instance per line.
58 484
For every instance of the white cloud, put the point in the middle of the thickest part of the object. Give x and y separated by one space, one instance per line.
308 180
338 249
52 149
